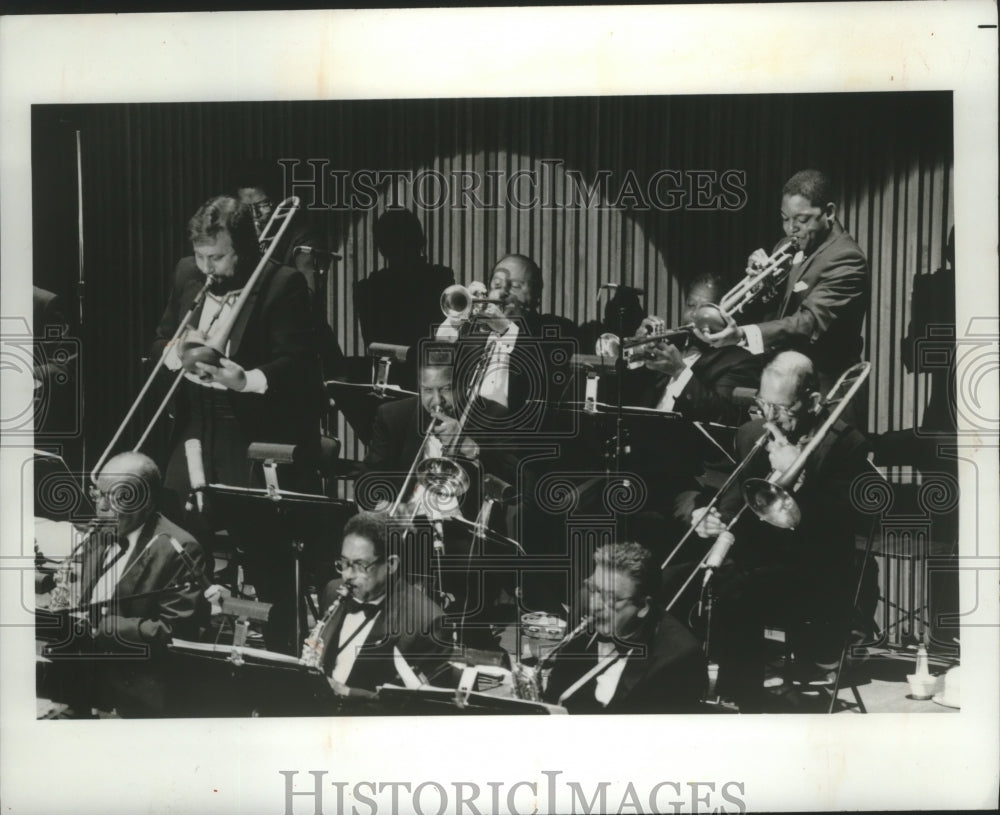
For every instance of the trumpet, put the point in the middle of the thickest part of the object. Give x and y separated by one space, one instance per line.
771 499
758 284
212 350
459 302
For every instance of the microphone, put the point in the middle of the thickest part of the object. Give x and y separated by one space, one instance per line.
196 474
718 553
210 590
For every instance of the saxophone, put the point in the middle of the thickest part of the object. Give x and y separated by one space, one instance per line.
312 647
528 680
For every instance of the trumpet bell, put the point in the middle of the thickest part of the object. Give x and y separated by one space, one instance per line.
456 302
708 318
772 503
608 345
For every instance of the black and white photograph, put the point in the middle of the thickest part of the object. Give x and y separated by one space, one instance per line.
637 409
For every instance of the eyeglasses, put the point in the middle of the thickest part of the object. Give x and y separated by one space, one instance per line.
122 497
604 596
259 207
762 409
356 565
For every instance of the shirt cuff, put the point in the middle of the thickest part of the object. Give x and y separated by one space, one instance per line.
681 381
754 338
469 448
256 381
171 359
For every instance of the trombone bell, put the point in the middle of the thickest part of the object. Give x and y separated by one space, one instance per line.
772 503
708 318
195 351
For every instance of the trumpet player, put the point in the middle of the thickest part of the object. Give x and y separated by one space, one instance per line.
690 377
821 310
798 578
634 658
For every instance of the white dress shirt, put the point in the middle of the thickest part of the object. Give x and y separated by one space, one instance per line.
607 681
215 311
354 621
114 568
496 383
677 383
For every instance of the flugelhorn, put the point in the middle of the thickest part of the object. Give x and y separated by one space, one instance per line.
210 351
771 499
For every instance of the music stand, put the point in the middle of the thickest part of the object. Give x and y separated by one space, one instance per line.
358 401
295 515
229 680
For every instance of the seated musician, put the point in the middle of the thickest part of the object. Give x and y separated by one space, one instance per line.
637 659
136 588
372 611
800 578
400 426
689 376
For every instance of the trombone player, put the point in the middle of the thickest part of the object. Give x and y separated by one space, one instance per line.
265 388
800 578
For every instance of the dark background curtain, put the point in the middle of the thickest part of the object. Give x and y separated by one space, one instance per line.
147 167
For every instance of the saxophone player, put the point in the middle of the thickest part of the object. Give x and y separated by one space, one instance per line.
635 658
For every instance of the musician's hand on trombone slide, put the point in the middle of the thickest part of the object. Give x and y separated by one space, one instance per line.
707 524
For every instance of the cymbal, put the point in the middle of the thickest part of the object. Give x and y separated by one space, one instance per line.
334 384
605 409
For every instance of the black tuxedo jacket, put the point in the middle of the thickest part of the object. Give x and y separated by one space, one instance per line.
158 597
670 677
274 333
409 621
824 306
538 373
707 397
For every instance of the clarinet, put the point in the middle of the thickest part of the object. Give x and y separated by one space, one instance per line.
312 648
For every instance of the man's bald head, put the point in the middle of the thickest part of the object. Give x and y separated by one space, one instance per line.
795 369
789 392
129 489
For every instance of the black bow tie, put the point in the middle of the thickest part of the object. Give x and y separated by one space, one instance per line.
352 606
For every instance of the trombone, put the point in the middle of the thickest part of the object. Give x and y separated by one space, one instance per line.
770 499
212 350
